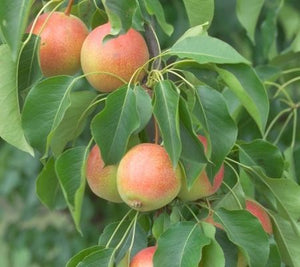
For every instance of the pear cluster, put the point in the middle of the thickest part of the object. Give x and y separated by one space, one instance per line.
145 178
67 46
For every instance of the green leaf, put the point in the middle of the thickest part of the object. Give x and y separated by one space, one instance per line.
144 107
199 11
160 225
70 169
285 191
166 103
154 7
29 70
263 154
44 109
112 127
247 13
78 257
104 257
47 186
212 112
10 119
212 254
287 241
192 155
14 17
245 230
245 84
183 243
120 13
274 256
73 121
206 49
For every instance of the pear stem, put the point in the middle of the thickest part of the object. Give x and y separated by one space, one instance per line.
69 8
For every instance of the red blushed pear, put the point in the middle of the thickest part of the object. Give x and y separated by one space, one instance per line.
102 179
117 57
258 211
143 258
146 179
62 36
202 187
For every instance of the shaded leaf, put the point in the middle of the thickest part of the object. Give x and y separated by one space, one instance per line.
112 127
14 17
192 155
183 243
29 70
165 110
199 11
160 225
47 186
263 154
77 258
154 7
103 257
212 112
247 13
144 107
10 119
287 241
120 13
70 169
73 120
245 84
44 109
245 230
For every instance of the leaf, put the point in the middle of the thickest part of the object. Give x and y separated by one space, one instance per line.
154 7
244 230
120 13
140 238
112 127
183 243
263 154
78 257
192 155
104 257
14 17
245 84
160 225
274 256
44 109
165 110
247 13
212 254
73 120
287 241
70 170
10 119
212 112
144 107
47 186
29 71
206 49
285 191
199 11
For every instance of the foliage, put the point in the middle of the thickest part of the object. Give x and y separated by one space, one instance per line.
228 70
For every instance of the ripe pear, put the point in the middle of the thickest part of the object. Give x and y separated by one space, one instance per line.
202 187
117 57
258 211
146 179
61 36
143 258
102 179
